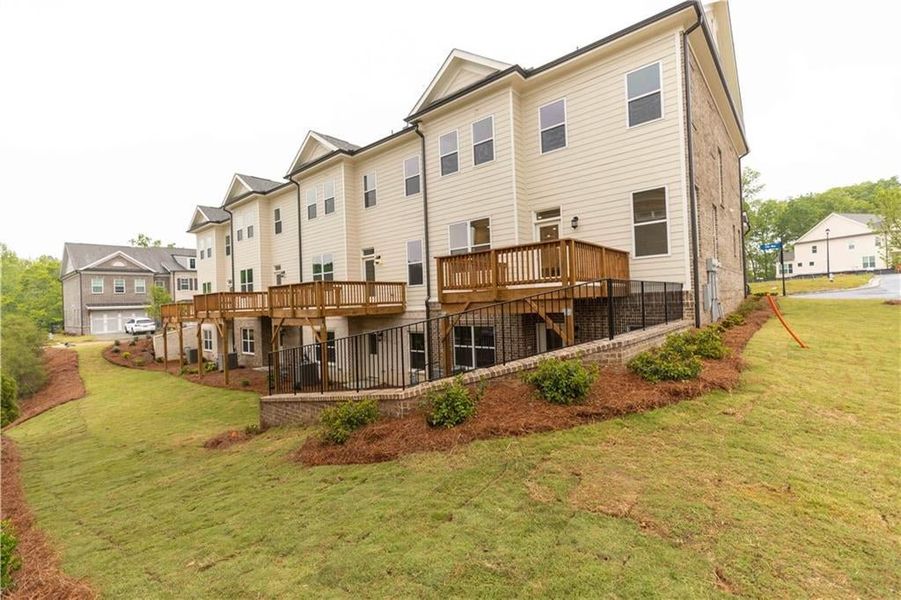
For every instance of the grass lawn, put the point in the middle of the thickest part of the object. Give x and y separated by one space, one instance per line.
787 487
72 339
812 284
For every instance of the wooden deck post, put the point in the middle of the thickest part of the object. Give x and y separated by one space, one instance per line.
225 355
166 345
181 344
200 348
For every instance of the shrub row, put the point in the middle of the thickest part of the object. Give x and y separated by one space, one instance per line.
9 403
562 381
341 420
9 559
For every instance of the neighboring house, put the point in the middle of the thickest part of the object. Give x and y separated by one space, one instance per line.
103 286
632 142
840 243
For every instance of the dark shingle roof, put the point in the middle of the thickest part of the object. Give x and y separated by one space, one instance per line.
338 142
160 259
214 214
258 184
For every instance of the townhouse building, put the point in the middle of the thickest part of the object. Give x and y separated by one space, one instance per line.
105 285
619 160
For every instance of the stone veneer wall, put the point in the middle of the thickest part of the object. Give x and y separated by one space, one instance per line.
285 409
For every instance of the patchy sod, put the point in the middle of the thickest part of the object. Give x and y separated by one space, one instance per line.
784 487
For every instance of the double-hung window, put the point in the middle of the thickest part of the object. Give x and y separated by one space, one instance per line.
118 286
246 280
192 263
185 284
97 285
228 245
411 176
850 245
311 204
417 350
207 287
249 231
649 223
469 236
140 286
207 339
473 347
323 268
239 235
248 343
369 184
813 249
277 217
328 196
414 262
644 98
483 141
552 125
869 262
331 354
447 153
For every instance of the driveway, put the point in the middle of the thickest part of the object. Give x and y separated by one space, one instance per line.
887 287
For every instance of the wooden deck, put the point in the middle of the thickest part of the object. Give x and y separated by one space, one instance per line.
513 272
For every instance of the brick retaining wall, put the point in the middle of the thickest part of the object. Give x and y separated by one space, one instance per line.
283 409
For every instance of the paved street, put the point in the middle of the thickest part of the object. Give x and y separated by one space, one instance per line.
888 287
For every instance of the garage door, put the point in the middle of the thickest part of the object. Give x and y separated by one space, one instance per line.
112 321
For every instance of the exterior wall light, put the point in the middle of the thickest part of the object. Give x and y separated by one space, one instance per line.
575 222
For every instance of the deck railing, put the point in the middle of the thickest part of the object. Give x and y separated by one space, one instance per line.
337 296
177 311
403 356
231 303
561 262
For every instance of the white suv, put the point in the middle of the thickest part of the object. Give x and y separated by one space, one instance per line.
142 325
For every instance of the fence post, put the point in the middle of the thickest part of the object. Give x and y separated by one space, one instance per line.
403 369
610 326
643 322
665 304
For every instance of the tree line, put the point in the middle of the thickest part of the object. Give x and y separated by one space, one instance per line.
773 220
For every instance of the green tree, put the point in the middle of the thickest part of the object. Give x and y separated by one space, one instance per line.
888 228
158 297
31 288
9 400
23 361
143 240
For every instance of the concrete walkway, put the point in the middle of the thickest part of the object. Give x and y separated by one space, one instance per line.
882 287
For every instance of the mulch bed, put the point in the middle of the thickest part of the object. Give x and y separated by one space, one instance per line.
63 384
256 381
40 576
510 408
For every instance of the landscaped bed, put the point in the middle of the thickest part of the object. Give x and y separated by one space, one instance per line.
510 408
63 384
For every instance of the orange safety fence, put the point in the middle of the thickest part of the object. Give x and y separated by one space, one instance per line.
778 314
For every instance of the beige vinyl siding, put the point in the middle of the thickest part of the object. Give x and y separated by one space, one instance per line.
605 161
281 249
216 269
325 233
247 253
474 192
518 175
394 219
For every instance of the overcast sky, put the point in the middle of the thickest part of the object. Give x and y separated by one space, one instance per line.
119 117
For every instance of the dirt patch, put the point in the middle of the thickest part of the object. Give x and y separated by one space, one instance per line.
893 302
63 384
226 439
40 576
509 408
242 378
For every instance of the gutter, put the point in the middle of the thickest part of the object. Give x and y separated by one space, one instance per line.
342 151
692 197
427 254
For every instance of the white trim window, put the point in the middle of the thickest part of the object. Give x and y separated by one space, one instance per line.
192 263
246 280
118 286
473 347
207 287
249 231
248 341
552 126
448 155
239 235
96 285
328 196
311 204
650 227
644 98
787 268
369 186
140 286
228 245
869 262
414 262
483 141
207 335
813 249
323 267
469 236
277 219
411 176
186 284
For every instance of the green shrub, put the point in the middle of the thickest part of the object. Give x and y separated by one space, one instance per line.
733 320
210 366
9 559
158 359
748 305
133 342
138 361
665 365
245 383
562 381
254 429
706 343
187 370
341 420
451 404
23 358
126 355
115 350
116 342
9 404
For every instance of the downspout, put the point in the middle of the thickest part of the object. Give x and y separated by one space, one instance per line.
80 303
233 248
695 251
741 222
299 250
427 255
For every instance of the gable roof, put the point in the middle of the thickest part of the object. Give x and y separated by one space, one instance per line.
297 166
207 215
865 218
243 186
459 70
327 145
336 142
79 256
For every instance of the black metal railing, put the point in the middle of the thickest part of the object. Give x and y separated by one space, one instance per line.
407 355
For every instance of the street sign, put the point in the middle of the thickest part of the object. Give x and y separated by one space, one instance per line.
771 246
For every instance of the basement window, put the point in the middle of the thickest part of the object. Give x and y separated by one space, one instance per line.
248 343
645 102
473 347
